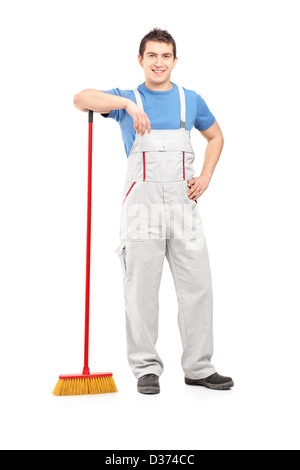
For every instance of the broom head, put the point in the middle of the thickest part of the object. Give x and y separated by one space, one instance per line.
85 384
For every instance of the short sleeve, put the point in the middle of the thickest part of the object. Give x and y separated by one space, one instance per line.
116 114
204 117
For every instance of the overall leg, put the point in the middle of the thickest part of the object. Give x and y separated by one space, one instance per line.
189 264
143 264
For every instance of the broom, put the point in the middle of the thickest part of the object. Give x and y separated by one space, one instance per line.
86 383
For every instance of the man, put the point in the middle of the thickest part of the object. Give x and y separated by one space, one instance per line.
160 216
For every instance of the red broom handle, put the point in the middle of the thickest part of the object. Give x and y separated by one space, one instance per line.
86 370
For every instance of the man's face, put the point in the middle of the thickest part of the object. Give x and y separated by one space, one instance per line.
158 63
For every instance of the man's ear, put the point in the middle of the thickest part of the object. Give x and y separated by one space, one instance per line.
140 59
174 63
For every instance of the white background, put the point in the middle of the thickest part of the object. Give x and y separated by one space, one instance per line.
242 57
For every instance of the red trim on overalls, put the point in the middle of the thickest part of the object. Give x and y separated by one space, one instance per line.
144 166
128 192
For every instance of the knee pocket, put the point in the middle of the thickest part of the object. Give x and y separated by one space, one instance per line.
121 252
129 253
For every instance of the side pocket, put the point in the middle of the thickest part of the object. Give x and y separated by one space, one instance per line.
121 252
128 192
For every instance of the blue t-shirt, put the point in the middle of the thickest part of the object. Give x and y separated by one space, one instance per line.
163 110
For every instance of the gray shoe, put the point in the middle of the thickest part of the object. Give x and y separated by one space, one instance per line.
148 384
214 382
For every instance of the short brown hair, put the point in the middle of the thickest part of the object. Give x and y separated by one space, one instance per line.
158 35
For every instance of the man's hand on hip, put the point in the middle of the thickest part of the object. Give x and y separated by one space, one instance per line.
197 186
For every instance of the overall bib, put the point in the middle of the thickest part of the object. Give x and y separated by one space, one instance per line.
158 219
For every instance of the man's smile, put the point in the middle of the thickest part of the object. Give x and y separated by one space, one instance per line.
159 72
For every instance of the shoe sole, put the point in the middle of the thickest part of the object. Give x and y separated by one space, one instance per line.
225 386
149 390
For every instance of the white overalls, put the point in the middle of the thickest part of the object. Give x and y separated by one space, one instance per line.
158 219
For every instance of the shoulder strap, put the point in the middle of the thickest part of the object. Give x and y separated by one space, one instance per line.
138 99
183 107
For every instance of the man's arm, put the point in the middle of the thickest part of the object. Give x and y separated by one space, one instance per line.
103 103
98 101
215 142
